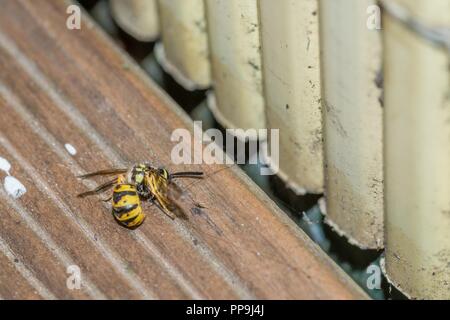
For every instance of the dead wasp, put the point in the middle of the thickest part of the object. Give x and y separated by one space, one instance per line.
140 182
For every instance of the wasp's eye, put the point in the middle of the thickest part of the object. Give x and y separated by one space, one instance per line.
163 172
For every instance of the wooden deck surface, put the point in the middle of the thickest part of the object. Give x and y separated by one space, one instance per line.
60 86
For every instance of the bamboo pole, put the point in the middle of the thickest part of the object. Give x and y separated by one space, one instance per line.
291 68
417 148
233 29
351 63
139 18
185 53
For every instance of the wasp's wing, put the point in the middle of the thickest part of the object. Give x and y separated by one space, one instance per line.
181 200
173 191
107 172
173 194
99 189
167 195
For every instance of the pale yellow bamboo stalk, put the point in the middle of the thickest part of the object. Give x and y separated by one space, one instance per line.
417 149
139 18
291 69
234 38
185 53
351 63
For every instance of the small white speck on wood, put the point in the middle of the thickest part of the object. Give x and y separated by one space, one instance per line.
5 165
14 187
70 149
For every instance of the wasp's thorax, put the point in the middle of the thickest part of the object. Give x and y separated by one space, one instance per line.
140 174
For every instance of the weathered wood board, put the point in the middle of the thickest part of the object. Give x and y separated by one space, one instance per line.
60 86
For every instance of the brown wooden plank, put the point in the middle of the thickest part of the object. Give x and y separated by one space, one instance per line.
59 86
34 251
17 281
42 112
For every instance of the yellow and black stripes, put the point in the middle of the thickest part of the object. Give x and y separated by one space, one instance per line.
127 208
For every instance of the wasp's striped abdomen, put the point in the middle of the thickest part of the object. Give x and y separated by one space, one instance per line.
127 206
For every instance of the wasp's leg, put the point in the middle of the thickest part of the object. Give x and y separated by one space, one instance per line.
121 179
199 205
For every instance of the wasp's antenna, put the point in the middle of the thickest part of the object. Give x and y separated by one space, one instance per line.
107 172
107 185
187 174
209 175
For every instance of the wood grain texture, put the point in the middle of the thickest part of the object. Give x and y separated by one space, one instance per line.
61 86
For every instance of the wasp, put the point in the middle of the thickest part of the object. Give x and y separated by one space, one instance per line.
141 182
